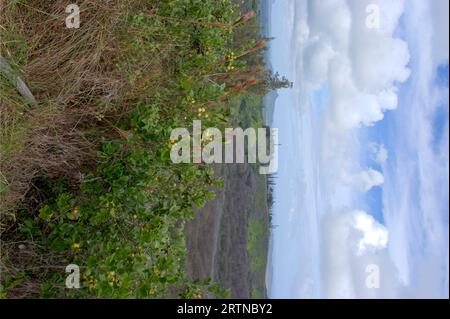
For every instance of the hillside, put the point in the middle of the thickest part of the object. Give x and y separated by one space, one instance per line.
86 174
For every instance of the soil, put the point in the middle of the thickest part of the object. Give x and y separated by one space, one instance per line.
217 238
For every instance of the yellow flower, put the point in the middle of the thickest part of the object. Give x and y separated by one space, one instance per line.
75 246
172 143
73 214
135 216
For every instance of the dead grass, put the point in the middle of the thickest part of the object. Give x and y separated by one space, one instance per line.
72 74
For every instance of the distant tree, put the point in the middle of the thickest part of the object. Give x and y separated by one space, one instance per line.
270 81
275 82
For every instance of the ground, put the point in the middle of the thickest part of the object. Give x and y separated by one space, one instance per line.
221 241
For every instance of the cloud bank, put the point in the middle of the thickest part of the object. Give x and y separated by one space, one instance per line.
361 74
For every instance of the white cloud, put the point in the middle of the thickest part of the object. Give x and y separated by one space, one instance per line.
362 181
353 240
375 236
378 152
378 58
361 70
318 54
361 65
417 186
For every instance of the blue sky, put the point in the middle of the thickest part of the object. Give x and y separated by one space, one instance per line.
363 175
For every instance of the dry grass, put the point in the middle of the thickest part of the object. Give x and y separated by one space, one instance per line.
72 74
24 257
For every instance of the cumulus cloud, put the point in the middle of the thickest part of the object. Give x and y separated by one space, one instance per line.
318 54
363 70
361 65
363 181
374 235
379 59
378 153
353 244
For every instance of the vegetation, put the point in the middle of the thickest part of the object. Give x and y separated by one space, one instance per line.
257 230
86 176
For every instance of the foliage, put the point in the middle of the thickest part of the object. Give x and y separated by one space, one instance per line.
123 223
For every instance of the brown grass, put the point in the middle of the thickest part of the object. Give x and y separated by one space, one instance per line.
72 75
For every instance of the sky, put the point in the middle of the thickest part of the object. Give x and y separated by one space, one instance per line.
363 180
